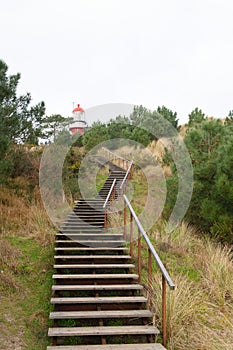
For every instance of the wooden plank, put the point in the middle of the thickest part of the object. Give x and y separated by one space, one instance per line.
98 287
96 276
98 300
87 240
98 235
93 266
92 248
92 257
101 314
148 346
116 330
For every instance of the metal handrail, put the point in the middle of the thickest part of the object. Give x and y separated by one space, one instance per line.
114 154
106 202
126 175
151 252
150 246
109 193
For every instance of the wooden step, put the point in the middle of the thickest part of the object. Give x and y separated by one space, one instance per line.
85 220
98 287
90 257
96 276
100 314
97 235
95 331
95 243
92 249
83 225
93 266
90 241
89 228
98 300
147 346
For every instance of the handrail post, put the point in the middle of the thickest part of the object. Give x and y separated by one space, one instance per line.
139 256
105 218
114 192
164 312
125 220
150 275
131 234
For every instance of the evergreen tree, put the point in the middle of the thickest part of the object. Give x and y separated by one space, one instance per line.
19 122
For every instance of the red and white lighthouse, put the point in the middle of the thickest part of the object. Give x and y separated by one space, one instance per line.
79 124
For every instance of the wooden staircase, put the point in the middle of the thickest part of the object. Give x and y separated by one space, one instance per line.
98 302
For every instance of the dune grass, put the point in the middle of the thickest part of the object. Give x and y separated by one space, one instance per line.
26 266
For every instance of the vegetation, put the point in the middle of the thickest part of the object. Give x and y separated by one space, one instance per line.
19 122
142 126
200 309
210 145
26 260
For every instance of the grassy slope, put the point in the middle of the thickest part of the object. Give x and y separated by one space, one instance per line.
26 260
26 266
200 313
199 310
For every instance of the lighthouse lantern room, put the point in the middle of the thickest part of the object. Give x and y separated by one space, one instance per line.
79 124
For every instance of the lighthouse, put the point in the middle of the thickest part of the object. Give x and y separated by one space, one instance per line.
79 124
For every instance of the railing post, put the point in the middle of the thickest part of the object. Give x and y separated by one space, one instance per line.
131 234
164 312
105 218
125 220
114 192
139 256
150 275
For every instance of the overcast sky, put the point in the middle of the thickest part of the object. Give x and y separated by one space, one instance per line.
177 53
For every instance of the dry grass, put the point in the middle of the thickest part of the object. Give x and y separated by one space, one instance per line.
23 216
199 311
217 276
38 224
9 267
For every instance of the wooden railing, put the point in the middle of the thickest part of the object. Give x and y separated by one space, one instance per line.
166 279
116 159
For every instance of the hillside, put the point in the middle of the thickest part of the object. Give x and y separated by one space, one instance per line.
200 309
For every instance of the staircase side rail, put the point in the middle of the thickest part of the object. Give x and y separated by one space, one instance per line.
127 175
166 279
109 194
150 245
111 191
115 156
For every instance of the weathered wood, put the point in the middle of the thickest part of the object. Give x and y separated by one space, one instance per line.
116 330
92 248
94 266
85 298
148 346
101 314
90 257
97 276
98 300
98 287
74 240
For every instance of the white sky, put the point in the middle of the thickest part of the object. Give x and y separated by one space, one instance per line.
177 53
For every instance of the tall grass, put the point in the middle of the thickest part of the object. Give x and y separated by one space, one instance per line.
199 310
